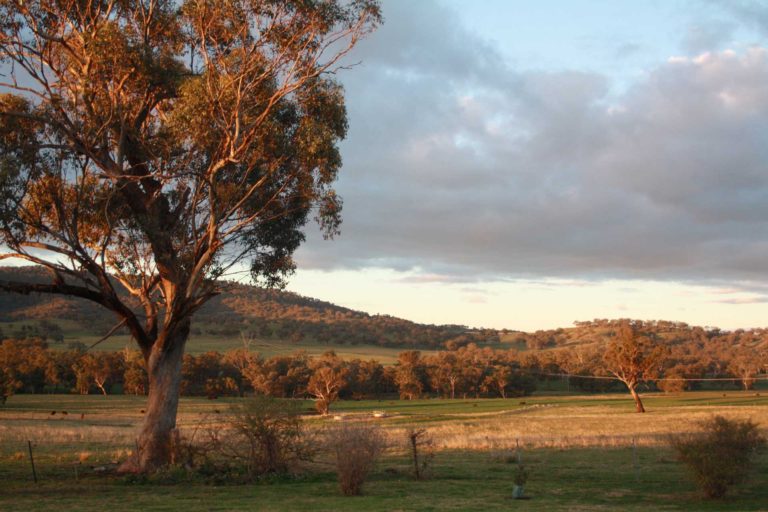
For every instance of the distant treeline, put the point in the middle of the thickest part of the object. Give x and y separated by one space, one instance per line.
29 366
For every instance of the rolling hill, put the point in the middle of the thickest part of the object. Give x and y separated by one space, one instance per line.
240 310
280 321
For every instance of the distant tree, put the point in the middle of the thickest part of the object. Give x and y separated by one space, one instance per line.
27 364
8 381
475 366
282 376
366 379
97 369
409 374
586 361
52 331
673 381
252 367
160 143
329 376
633 357
207 375
445 372
135 380
746 364
505 381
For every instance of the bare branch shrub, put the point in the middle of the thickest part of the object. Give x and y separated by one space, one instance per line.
721 454
422 452
356 447
263 436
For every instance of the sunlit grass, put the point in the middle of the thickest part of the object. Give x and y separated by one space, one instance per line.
584 453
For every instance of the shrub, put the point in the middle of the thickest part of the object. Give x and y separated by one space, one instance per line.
422 452
271 435
721 454
356 447
264 436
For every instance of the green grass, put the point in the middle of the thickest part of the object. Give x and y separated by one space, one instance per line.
200 343
97 430
430 407
577 479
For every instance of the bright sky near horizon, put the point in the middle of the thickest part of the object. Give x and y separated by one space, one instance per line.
528 164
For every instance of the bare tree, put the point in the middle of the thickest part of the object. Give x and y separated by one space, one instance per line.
633 357
158 144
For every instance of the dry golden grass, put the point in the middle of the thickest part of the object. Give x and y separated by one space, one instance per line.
573 426
561 425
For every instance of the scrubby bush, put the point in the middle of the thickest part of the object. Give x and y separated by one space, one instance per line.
356 447
270 434
721 455
422 450
261 436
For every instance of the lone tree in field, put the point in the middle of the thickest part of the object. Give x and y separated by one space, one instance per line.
633 358
329 377
158 143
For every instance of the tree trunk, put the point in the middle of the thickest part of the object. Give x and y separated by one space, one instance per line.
154 446
638 402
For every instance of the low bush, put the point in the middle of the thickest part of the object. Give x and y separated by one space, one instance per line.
721 455
356 447
262 436
422 452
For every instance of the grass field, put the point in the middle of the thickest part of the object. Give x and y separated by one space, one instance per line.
583 453
200 343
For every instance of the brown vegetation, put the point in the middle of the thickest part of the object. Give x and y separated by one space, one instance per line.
356 446
721 455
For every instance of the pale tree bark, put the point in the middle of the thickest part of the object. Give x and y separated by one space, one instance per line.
638 403
158 145
156 442
100 384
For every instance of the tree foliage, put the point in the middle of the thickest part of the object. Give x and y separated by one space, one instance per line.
161 143
633 357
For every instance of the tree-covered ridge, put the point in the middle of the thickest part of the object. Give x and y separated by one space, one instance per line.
285 316
250 310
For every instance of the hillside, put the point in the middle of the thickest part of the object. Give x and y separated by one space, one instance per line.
286 321
239 310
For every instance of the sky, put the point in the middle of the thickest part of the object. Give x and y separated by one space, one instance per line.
525 165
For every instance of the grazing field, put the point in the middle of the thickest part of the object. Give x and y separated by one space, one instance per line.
200 343
582 453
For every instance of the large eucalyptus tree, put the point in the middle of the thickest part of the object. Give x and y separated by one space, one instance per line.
158 143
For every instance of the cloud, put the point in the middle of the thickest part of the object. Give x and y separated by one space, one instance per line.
626 50
458 164
751 13
429 279
744 300
707 36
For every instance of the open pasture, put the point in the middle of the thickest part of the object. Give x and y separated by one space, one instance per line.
583 453
201 342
